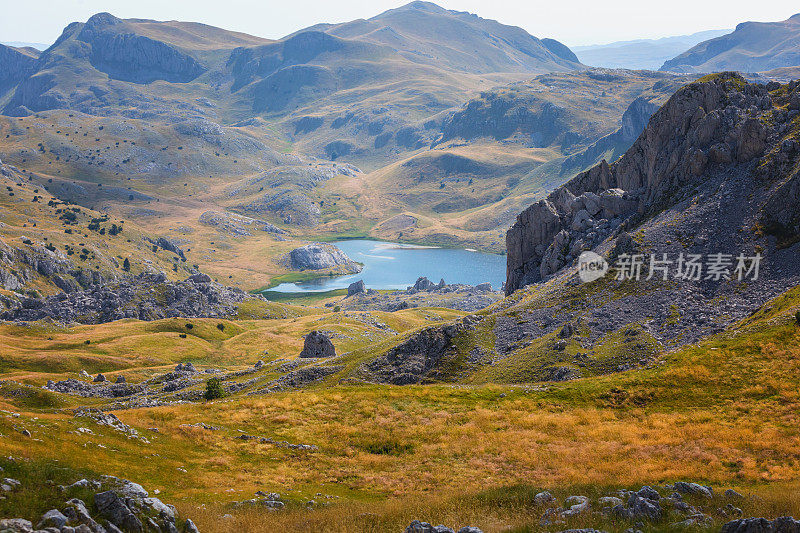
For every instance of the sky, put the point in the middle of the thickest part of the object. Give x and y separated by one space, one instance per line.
574 22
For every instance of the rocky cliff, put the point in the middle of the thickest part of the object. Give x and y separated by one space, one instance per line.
721 127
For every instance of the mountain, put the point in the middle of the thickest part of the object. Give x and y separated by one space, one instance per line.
17 64
333 129
647 54
19 44
751 47
423 32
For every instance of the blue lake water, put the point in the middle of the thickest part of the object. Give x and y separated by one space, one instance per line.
396 266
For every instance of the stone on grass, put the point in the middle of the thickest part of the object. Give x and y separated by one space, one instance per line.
317 344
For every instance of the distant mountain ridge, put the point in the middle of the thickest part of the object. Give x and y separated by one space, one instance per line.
645 54
427 33
751 47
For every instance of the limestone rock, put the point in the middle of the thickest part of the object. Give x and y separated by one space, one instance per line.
356 288
317 256
317 344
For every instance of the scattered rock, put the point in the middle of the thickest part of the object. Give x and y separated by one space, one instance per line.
784 524
693 488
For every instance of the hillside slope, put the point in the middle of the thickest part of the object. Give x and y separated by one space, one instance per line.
751 47
715 172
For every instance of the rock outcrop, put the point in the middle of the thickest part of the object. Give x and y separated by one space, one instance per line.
317 344
706 128
125 55
421 357
237 225
357 287
148 296
318 256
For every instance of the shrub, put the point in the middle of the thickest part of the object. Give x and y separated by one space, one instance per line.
797 318
337 308
221 326
214 389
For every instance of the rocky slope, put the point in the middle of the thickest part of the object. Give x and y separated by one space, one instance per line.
751 47
714 173
148 296
713 177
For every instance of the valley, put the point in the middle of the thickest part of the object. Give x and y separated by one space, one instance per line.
347 280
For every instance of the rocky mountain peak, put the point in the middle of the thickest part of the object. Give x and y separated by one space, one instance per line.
713 129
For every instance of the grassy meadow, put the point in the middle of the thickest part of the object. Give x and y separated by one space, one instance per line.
723 412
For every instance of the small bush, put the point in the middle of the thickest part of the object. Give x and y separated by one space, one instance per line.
797 318
214 389
337 309
388 447
221 326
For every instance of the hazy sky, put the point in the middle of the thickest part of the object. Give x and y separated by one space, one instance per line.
575 22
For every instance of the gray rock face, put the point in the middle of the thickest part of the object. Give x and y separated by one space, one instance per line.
292 207
705 128
684 487
121 504
166 244
124 55
317 256
424 527
52 518
421 356
317 344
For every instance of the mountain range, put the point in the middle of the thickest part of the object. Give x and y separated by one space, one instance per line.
646 54
637 371
751 47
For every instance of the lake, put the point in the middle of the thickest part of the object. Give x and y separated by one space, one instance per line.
389 265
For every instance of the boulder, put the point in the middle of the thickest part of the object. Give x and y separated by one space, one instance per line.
317 256
424 284
199 278
317 344
356 288
52 518
684 487
784 524
99 378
